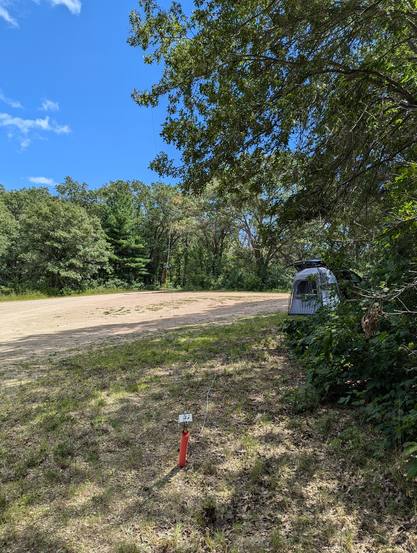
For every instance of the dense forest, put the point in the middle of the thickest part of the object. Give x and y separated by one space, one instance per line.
126 234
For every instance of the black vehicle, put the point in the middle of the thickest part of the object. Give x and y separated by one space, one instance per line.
348 281
307 264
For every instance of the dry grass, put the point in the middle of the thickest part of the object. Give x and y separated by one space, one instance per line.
89 451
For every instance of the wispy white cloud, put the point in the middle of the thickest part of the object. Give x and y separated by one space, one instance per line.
24 142
74 6
42 180
23 129
25 125
49 105
9 101
5 14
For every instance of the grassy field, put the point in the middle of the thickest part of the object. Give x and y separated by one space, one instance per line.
89 451
36 295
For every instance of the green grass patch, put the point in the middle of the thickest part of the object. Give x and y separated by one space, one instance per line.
38 295
89 452
23 296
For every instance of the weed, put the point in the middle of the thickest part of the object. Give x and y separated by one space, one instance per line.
208 511
209 467
283 461
248 441
257 471
51 422
372 373
135 457
124 439
346 540
103 499
177 534
265 419
3 506
52 476
307 463
328 423
277 541
127 547
62 454
215 541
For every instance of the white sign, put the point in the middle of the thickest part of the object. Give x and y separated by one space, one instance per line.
186 418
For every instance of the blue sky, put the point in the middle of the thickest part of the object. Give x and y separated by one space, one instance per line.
66 75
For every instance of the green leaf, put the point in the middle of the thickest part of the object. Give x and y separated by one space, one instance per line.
410 450
412 471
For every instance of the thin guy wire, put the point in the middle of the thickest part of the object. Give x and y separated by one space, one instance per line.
205 418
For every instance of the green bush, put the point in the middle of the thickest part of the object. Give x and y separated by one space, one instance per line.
343 365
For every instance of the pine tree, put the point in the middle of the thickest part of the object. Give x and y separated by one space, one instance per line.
127 260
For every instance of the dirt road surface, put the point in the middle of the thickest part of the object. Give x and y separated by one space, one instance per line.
30 330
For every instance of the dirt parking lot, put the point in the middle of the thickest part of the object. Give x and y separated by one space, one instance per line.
38 328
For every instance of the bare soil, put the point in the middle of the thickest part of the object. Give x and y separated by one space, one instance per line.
38 328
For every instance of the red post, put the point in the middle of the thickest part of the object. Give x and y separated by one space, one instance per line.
183 448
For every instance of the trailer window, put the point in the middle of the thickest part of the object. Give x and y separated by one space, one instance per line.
304 287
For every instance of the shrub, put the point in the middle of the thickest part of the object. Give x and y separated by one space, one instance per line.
343 365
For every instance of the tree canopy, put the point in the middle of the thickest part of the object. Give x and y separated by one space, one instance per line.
61 245
333 82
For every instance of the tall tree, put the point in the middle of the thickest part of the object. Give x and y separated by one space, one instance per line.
334 81
16 203
160 210
209 232
127 260
79 194
61 246
8 227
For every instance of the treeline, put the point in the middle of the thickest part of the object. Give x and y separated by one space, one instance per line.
124 234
